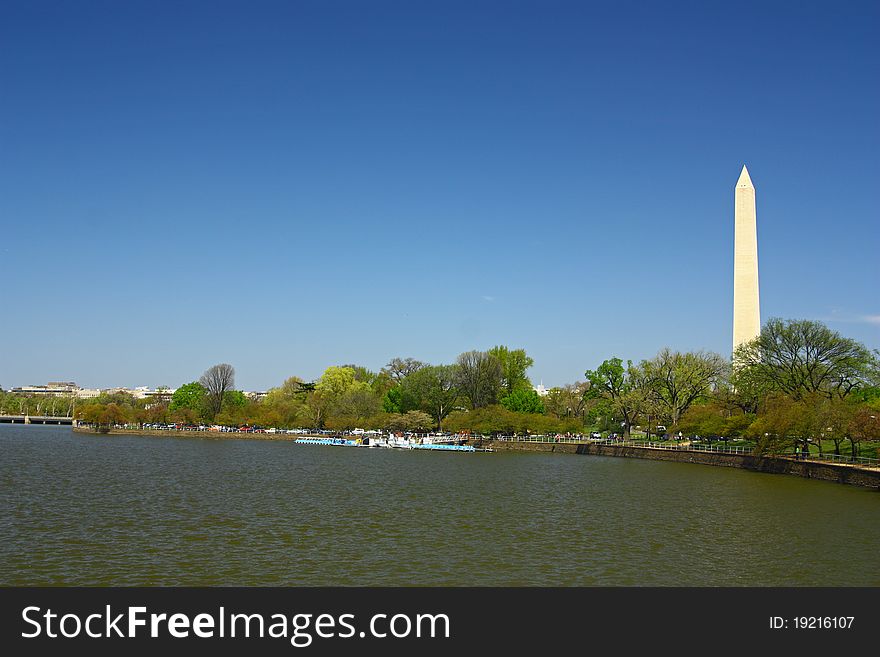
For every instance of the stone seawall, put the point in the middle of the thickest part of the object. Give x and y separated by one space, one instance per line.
840 473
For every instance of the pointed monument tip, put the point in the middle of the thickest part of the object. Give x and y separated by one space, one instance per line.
744 179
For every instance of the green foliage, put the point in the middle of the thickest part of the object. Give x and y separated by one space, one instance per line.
185 416
608 380
712 420
400 368
785 423
523 401
799 358
189 396
496 419
17 404
514 363
676 380
283 407
392 400
432 389
418 421
381 384
316 409
826 393
356 406
238 410
292 388
362 374
337 381
625 389
600 414
479 377
234 399
104 414
567 402
868 394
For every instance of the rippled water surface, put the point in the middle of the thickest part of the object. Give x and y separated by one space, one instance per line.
130 510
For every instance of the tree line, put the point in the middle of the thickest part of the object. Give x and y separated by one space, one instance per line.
798 385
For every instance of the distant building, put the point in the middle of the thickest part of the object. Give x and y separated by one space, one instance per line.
159 392
541 390
88 393
51 389
141 392
70 389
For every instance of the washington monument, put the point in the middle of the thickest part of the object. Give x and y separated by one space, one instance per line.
746 308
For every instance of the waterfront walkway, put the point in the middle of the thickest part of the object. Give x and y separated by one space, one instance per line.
691 446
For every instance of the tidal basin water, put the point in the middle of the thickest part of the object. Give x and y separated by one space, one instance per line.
127 510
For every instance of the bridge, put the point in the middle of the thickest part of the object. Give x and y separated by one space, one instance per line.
36 419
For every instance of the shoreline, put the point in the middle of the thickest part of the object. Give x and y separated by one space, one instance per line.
853 475
217 435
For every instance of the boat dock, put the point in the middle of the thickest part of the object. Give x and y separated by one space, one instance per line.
391 442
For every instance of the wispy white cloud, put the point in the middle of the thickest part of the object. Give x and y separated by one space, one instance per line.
851 318
486 297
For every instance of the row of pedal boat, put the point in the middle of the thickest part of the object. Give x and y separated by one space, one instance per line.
390 442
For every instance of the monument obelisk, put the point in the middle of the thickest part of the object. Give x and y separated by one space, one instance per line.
746 308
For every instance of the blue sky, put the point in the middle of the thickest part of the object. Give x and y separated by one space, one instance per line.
289 185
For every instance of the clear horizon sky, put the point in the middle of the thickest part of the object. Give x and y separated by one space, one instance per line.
285 186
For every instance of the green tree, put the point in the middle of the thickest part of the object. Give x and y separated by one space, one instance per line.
568 401
185 415
283 406
864 426
400 368
706 420
432 389
417 421
235 398
737 424
523 401
479 377
316 408
292 388
496 419
103 416
678 379
801 357
189 396
355 406
514 363
624 388
712 418
784 424
381 384
362 374
337 381
392 400
157 413
833 419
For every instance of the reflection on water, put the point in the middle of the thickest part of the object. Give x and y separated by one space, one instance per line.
129 510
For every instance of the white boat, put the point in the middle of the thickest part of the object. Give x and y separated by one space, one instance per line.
399 442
